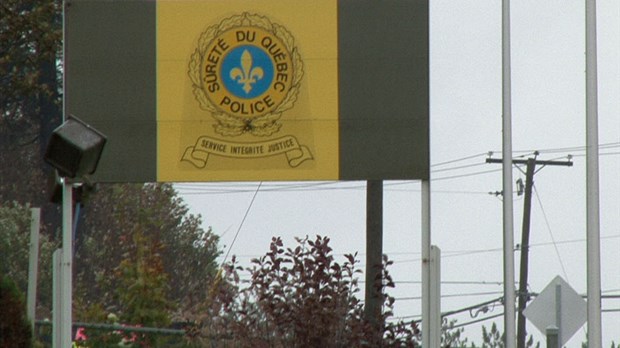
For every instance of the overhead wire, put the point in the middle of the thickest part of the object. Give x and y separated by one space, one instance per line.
478 320
569 148
247 211
555 246
458 159
227 188
458 167
447 282
219 188
493 301
600 154
329 185
197 189
483 293
312 186
446 254
458 253
465 175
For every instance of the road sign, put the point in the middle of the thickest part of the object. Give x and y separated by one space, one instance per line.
560 306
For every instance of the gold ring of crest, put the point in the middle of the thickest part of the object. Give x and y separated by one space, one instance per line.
230 123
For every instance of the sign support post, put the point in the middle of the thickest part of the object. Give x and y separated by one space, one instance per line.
56 300
33 266
435 286
426 263
509 278
374 254
66 286
592 184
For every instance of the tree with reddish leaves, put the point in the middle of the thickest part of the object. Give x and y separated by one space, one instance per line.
302 297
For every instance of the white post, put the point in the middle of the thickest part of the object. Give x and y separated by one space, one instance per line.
426 260
33 266
592 183
435 315
558 311
66 265
509 290
57 298
66 286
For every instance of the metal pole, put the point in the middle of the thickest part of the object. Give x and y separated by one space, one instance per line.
426 258
33 266
558 311
66 285
509 290
435 315
592 183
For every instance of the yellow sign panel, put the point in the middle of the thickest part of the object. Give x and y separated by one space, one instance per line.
247 90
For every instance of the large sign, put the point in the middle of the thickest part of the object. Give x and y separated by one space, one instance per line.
252 90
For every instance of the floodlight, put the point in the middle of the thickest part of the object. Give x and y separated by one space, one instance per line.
75 148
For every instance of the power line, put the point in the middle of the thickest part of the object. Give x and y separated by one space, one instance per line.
458 159
465 175
458 253
219 188
272 186
194 189
471 294
494 301
555 246
478 320
569 149
481 251
448 282
610 310
528 152
497 170
242 221
457 311
189 189
458 167
601 154
483 308
611 290
476 306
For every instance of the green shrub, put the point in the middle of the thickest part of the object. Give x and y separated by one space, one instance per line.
15 331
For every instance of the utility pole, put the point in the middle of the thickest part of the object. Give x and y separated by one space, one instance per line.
525 235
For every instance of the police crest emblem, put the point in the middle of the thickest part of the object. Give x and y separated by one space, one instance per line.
246 71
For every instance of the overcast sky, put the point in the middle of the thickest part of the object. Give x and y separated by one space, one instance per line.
548 95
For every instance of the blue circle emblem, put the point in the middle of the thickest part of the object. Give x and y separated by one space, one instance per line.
247 71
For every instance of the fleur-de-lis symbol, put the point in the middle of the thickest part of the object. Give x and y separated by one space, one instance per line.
246 74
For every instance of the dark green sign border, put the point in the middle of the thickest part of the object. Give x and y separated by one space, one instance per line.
383 89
